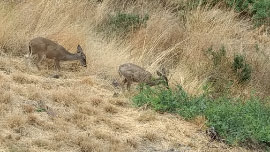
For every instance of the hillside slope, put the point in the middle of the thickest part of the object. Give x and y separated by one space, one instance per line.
79 113
153 36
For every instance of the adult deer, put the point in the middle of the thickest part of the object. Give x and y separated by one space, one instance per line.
134 73
45 48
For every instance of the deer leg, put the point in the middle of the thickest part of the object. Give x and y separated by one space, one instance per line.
123 84
40 59
124 81
57 65
28 60
128 85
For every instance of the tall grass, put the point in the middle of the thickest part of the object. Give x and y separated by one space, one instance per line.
258 10
173 37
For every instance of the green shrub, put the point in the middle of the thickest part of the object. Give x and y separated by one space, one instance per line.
245 73
258 10
219 80
236 121
239 123
241 68
167 100
238 62
240 5
122 23
261 11
225 71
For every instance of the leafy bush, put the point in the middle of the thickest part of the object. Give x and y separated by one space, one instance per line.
224 72
167 100
240 5
238 62
237 122
242 68
220 78
259 10
122 23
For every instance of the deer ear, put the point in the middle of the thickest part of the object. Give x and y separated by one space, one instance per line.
79 49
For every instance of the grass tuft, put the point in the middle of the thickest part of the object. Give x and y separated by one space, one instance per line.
16 121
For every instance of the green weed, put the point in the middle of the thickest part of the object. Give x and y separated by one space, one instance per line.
236 121
258 10
241 68
123 23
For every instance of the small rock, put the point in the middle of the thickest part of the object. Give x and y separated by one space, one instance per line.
56 76
212 133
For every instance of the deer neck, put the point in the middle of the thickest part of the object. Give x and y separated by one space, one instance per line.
71 57
153 81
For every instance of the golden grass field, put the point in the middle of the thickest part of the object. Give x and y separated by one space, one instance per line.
78 111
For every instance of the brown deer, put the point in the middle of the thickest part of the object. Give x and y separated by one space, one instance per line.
45 48
134 73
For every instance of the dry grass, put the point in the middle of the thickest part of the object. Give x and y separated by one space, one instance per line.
67 97
28 108
147 116
96 101
22 79
175 42
151 136
41 143
5 97
132 143
106 136
118 102
87 117
110 109
89 145
88 81
16 121
87 109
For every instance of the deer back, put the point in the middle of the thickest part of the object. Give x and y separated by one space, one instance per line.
43 46
134 73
